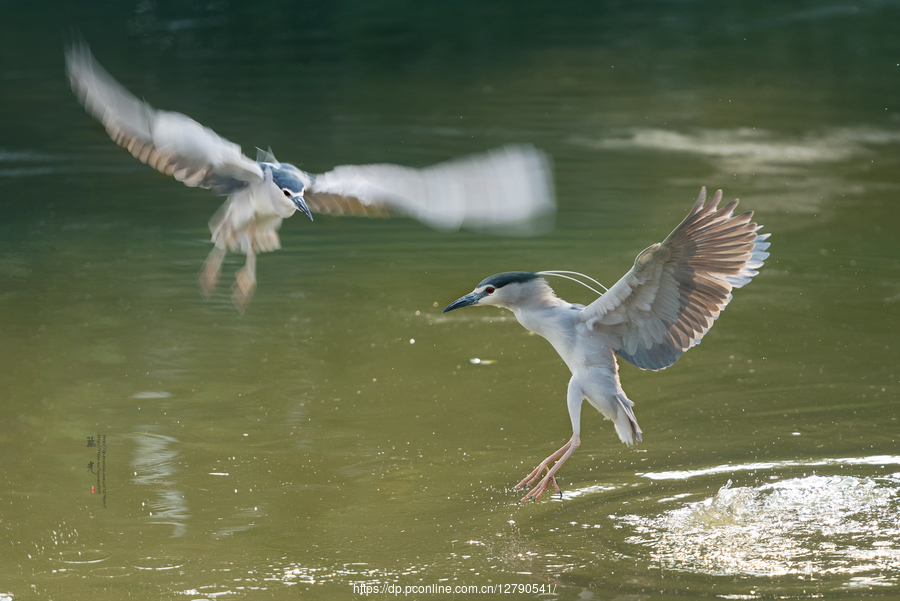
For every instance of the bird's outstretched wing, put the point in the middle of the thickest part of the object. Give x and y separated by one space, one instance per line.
170 142
666 303
508 189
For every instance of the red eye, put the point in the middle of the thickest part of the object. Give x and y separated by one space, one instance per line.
286 193
489 289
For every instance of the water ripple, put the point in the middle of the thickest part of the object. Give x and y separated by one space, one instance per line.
880 460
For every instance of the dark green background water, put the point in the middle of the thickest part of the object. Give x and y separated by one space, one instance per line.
310 445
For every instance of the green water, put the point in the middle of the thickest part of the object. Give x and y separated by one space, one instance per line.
337 434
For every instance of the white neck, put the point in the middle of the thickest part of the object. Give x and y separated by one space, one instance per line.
536 310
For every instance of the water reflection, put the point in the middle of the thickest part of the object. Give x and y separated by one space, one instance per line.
244 518
754 150
26 163
154 464
781 171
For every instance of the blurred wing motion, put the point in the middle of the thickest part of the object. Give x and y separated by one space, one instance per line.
507 189
172 143
666 303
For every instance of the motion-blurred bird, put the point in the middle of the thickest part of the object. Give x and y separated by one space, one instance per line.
661 308
506 189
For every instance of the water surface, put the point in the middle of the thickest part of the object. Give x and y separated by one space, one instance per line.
338 434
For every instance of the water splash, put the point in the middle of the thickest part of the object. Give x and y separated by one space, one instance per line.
815 525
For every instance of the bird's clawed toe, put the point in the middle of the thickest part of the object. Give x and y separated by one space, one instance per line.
209 273
559 457
243 288
541 487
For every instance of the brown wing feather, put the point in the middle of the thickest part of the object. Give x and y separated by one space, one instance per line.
335 204
672 296
191 153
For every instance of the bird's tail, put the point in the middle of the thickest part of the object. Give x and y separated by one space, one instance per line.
626 423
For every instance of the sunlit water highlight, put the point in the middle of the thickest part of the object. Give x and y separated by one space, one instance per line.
881 460
813 526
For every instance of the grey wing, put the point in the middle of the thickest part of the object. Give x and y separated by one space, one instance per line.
170 142
508 189
670 298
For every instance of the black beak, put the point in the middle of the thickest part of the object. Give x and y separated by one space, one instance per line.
466 301
301 205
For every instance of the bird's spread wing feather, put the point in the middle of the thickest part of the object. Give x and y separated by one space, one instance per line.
506 189
170 142
666 303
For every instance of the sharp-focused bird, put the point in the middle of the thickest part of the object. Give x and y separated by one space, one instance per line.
658 310
508 189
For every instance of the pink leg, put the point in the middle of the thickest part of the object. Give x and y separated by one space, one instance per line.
209 273
244 283
560 457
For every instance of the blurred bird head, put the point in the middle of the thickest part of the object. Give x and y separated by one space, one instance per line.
510 290
291 182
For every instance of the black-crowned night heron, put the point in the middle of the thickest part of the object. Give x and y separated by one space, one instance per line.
509 189
661 308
